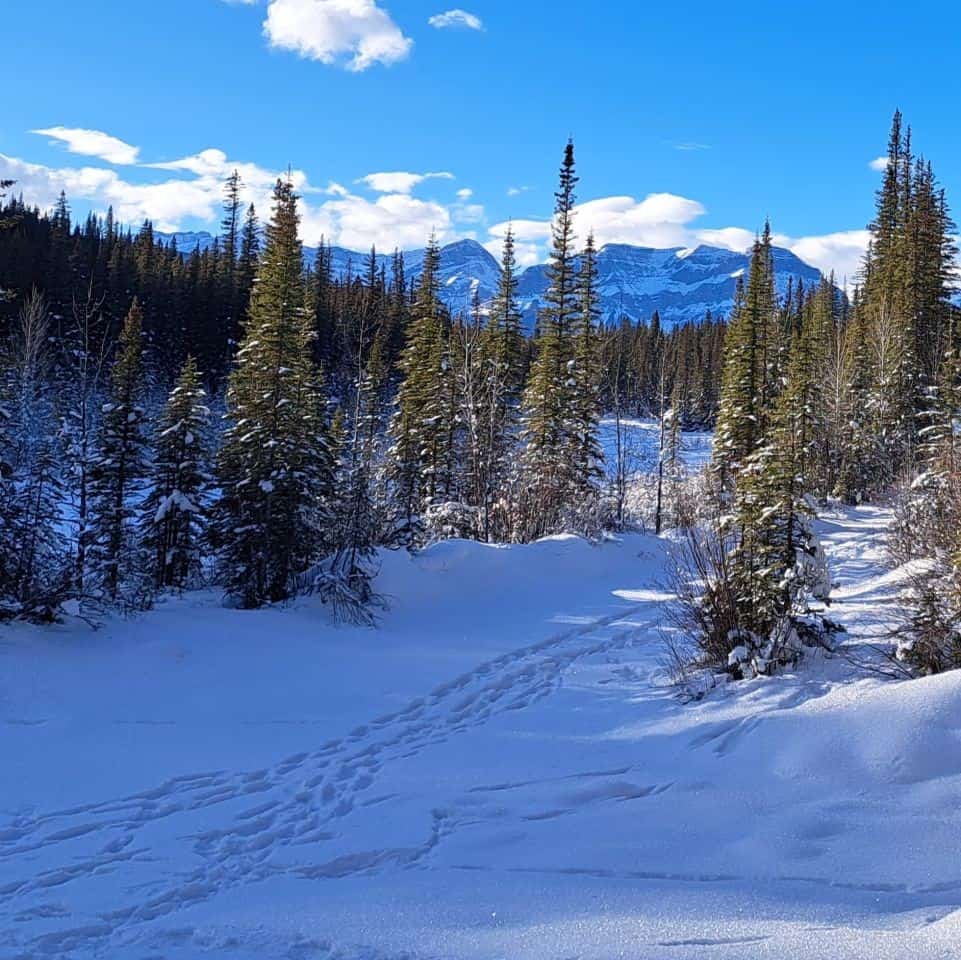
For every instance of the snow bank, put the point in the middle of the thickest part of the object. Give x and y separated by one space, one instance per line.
500 771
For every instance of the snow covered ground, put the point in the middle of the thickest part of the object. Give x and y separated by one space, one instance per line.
640 443
500 771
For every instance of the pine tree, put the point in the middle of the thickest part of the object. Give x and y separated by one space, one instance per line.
231 295
770 421
503 353
324 314
345 579
777 566
749 381
861 466
586 455
906 301
174 513
34 571
419 458
247 265
120 468
275 467
549 486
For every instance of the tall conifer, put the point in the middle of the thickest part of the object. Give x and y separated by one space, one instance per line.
275 468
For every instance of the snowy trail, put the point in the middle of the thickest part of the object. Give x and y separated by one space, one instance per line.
553 800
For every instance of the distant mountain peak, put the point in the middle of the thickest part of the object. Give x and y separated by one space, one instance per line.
681 283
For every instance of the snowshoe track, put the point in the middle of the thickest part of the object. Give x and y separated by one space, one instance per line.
295 804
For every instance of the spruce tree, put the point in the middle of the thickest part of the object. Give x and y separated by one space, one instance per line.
586 455
120 468
345 579
231 295
503 352
34 571
548 399
174 513
419 457
275 469
929 520
751 353
247 265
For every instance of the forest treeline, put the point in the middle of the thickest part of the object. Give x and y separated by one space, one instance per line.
231 416
194 303
235 416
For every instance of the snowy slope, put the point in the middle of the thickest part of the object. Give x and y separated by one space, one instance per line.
681 284
500 771
640 443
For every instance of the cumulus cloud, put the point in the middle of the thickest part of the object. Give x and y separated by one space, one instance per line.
192 192
392 220
399 181
456 19
730 238
167 203
356 33
659 220
665 220
92 143
841 252
879 163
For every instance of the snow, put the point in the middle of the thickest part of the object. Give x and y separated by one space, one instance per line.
500 770
640 439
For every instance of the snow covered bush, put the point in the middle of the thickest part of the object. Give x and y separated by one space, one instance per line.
749 620
344 581
685 502
451 520
931 640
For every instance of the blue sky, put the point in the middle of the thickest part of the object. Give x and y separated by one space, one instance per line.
692 121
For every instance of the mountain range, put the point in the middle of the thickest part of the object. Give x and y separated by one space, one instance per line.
681 284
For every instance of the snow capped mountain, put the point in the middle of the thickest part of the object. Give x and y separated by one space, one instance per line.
681 284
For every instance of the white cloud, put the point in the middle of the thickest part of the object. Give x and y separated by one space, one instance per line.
392 220
516 191
664 220
92 143
194 197
167 203
842 252
202 164
730 238
879 163
399 181
659 220
456 19
357 33
465 194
